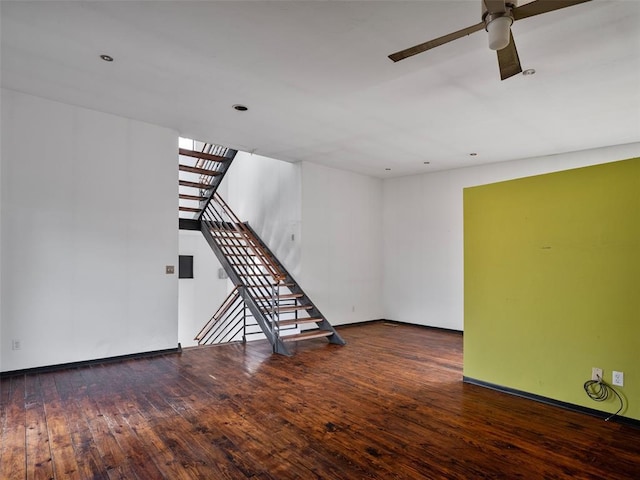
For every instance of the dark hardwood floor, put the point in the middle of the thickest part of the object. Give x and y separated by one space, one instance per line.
389 405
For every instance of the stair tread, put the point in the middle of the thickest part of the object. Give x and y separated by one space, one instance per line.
309 334
205 156
295 321
197 198
189 209
291 308
283 296
198 170
203 186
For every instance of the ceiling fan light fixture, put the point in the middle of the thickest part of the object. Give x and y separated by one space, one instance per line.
499 29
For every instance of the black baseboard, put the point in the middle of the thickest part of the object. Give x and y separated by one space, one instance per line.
88 363
355 324
550 401
430 327
396 322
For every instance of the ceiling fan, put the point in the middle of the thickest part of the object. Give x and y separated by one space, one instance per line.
497 18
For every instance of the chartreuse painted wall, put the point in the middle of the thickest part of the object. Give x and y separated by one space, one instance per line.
552 282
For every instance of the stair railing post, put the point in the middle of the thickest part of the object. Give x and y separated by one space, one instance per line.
244 322
275 312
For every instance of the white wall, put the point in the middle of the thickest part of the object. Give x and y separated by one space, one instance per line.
89 204
342 243
200 296
423 233
2 344
267 193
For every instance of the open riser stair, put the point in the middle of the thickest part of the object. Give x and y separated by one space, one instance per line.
201 170
271 295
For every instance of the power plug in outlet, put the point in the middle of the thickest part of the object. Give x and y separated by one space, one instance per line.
617 378
596 373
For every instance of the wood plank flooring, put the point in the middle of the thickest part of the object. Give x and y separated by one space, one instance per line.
389 405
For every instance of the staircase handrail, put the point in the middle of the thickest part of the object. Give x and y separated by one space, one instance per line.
227 326
228 302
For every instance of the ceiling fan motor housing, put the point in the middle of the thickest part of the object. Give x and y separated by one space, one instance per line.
498 25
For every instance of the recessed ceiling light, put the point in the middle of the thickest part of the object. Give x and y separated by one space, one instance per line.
106 58
388 169
529 71
240 108
473 154
426 163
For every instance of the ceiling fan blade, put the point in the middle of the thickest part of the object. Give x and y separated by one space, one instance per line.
423 47
508 60
542 6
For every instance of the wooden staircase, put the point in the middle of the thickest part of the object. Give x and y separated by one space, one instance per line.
266 298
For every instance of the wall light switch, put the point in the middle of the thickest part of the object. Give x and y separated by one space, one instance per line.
170 269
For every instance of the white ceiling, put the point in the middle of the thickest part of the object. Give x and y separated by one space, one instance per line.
318 83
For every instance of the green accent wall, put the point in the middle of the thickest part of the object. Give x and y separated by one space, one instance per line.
552 282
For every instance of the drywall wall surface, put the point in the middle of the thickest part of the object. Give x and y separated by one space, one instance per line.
552 282
88 224
1 209
200 296
266 193
423 232
342 243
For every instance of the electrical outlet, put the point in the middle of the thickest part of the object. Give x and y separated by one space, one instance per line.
617 378
169 269
15 344
596 373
